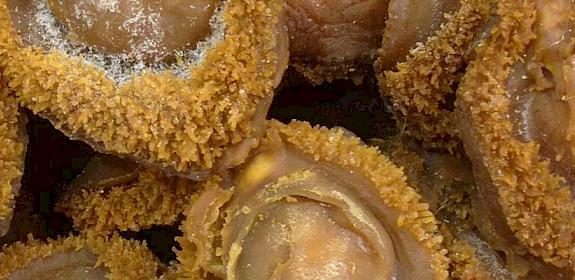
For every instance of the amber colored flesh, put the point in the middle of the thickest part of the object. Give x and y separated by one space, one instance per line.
143 28
280 182
334 39
334 31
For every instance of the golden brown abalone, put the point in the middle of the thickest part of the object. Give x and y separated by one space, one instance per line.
514 112
312 203
205 111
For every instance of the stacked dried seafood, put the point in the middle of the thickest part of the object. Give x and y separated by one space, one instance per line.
427 139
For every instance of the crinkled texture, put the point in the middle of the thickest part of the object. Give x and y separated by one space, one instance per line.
335 147
335 39
182 125
422 88
13 141
123 259
151 199
537 205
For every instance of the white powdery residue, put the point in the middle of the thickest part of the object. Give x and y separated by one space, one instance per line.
120 67
135 22
87 17
111 6
138 25
51 33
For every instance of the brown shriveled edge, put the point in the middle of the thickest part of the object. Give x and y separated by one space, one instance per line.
334 147
124 259
424 82
151 199
181 125
536 203
13 140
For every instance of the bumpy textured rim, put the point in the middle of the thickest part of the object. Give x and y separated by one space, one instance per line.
13 142
464 262
334 147
422 83
179 124
536 203
152 199
124 259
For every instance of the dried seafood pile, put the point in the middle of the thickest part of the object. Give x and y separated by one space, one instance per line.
287 139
